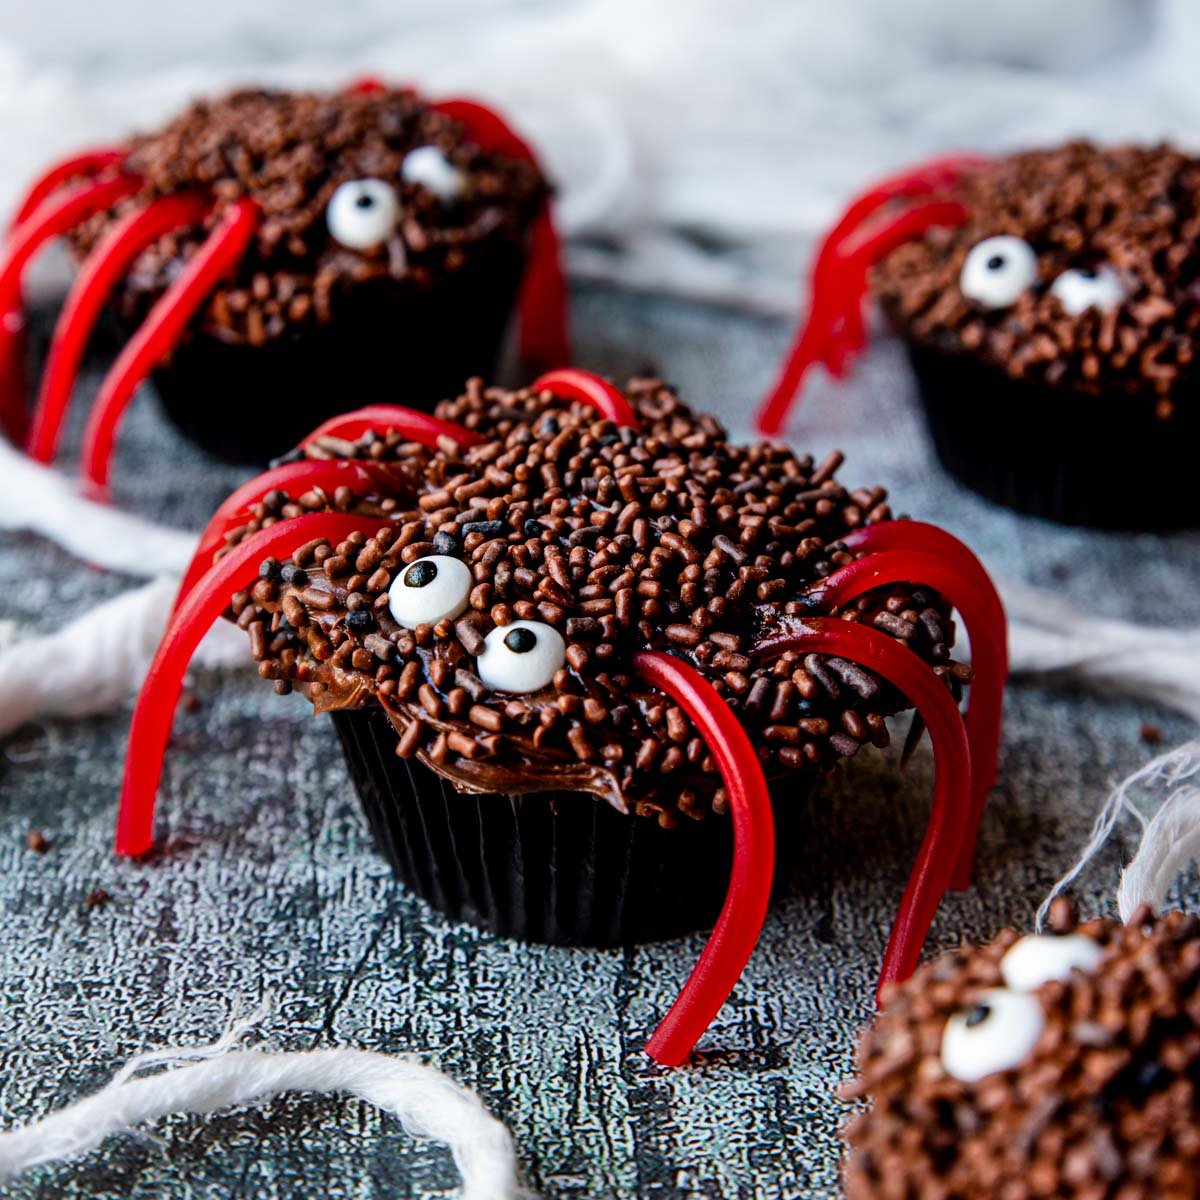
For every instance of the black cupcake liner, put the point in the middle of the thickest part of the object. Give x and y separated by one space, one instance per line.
1106 461
385 344
559 867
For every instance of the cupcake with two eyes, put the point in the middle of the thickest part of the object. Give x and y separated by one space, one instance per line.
386 234
1054 332
477 654
1062 1065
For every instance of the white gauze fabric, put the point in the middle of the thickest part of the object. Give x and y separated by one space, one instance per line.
42 500
207 1078
697 146
1170 838
96 662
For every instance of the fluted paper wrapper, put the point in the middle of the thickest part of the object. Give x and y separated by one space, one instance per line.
1106 461
560 867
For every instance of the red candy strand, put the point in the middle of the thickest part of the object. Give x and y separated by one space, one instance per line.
942 844
738 927
834 328
98 276
216 259
570 383
415 426
987 627
208 600
543 301
296 478
87 162
54 216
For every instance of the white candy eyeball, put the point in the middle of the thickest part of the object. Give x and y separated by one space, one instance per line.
521 657
996 1035
429 167
1035 960
1078 290
430 590
363 213
997 270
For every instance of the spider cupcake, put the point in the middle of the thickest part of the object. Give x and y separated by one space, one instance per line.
272 253
1062 1065
1050 302
567 635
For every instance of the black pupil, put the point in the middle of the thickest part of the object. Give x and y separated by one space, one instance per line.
420 574
1086 273
996 262
364 200
520 641
977 1015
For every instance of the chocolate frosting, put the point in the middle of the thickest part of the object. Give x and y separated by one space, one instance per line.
1103 1104
289 152
1131 210
667 537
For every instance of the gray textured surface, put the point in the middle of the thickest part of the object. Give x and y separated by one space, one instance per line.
269 883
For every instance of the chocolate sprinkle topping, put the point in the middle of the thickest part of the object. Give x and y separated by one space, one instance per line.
289 152
1104 1106
1133 209
667 537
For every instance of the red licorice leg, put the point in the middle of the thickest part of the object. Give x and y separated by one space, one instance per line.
415 426
988 632
737 929
360 475
543 302
87 162
925 178
160 332
56 215
97 277
942 843
570 383
155 708
834 328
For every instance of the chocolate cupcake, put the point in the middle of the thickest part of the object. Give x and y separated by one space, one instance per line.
273 255
1051 307
498 608
1061 1065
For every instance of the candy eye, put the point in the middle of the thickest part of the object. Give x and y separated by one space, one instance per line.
363 213
521 657
429 167
430 590
995 1035
1078 290
997 270
1035 960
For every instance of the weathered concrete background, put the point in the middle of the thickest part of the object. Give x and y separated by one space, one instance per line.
269 884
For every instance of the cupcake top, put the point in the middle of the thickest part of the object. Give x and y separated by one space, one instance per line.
1062 1065
1077 266
354 188
494 618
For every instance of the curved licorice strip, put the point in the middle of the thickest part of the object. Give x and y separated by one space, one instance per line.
833 326
989 653
208 600
738 927
571 383
935 175
98 275
57 214
942 844
415 426
360 475
217 258
543 301
85 162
